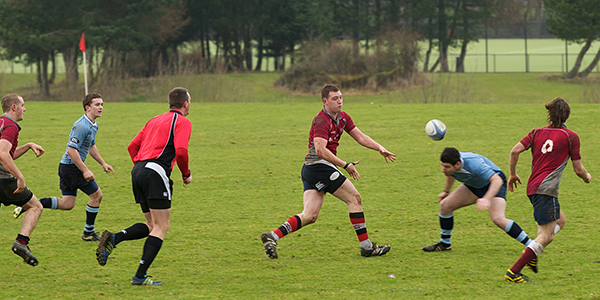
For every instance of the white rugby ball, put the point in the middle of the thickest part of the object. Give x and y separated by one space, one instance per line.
435 129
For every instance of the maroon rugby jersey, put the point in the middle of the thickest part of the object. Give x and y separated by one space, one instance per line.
550 149
9 130
324 126
164 139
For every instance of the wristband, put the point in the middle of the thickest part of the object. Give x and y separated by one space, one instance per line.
445 191
348 163
188 175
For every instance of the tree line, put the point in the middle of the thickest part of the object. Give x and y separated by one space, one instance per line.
144 38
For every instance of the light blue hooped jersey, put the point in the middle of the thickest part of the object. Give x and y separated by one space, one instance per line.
476 170
81 137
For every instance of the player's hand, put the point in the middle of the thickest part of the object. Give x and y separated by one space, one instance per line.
20 185
37 149
107 168
88 175
387 155
588 178
187 180
483 204
512 182
351 169
441 196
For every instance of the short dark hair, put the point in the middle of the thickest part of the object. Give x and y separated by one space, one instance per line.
450 155
9 100
178 96
87 100
328 88
558 112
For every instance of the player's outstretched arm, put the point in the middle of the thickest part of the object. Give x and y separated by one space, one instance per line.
37 149
366 141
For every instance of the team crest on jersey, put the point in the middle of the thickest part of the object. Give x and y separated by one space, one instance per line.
75 140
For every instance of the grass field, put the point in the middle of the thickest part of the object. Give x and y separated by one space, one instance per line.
501 88
246 159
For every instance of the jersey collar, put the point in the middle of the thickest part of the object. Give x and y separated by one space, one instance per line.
93 123
337 122
6 116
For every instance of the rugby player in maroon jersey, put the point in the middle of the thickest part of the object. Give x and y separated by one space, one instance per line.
320 174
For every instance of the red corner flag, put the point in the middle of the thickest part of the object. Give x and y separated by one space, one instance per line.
82 43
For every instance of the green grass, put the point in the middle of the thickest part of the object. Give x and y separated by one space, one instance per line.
246 160
258 87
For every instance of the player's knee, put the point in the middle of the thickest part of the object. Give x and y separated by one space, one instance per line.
356 199
308 218
500 221
97 196
445 207
34 204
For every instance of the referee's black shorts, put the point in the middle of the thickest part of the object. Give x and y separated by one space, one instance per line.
152 187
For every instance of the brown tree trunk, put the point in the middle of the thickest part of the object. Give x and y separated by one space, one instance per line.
460 64
260 54
443 60
53 74
591 67
427 55
70 61
577 65
434 65
44 86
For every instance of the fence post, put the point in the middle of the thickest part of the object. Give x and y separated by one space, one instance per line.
566 57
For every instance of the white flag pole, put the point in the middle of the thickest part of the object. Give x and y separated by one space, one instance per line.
85 74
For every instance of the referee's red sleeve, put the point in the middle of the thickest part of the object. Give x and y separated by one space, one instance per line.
181 155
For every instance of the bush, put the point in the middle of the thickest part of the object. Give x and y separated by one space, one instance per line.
392 66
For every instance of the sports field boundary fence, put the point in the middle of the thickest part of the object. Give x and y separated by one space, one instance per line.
521 63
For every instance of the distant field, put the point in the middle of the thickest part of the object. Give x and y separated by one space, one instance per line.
504 55
508 55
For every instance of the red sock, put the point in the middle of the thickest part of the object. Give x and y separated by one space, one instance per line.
292 224
526 257
358 222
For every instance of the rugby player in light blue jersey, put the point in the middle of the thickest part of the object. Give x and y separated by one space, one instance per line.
484 184
72 170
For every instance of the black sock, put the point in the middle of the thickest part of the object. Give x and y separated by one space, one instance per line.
446 225
22 239
151 248
50 202
91 212
134 232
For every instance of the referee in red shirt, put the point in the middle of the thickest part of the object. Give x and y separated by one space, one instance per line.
154 151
